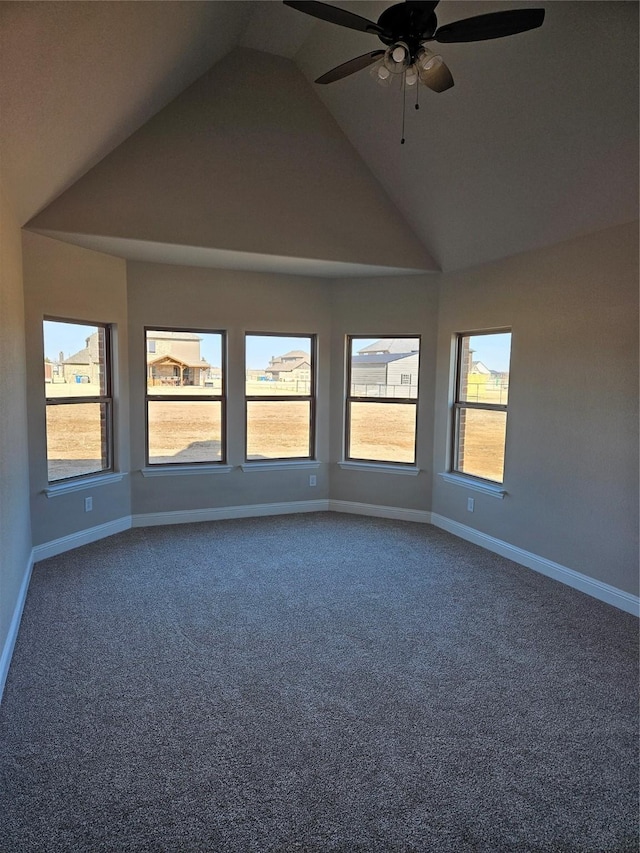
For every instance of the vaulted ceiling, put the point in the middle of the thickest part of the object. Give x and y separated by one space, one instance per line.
536 143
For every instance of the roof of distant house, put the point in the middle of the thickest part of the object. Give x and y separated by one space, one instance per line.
166 358
83 356
294 353
88 354
389 345
380 358
277 365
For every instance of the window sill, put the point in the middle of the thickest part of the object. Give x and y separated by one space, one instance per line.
182 470
90 482
495 490
281 465
381 468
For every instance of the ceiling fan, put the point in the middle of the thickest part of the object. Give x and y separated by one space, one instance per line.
406 28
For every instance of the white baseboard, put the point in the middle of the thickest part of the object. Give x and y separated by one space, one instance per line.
598 589
12 634
152 519
82 537
595 588
398 513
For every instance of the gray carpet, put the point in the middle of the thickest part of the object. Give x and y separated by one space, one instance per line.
315 683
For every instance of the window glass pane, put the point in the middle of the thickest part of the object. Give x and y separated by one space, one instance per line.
77 439
484 368
184 432
278 429
481 443
184 363
74 360
384 367
276 364
383 432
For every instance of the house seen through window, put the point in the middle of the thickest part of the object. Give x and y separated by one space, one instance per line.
77 379
382 399
480 404
280 396
185 396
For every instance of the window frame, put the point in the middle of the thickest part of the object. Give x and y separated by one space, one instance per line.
182 398
350 399
311 398
458 405
107 441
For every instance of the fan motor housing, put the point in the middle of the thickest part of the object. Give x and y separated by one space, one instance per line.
407 22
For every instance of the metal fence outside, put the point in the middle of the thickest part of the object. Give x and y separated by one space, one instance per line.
498 393
383 390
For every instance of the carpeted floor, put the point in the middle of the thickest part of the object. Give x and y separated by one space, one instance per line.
315 683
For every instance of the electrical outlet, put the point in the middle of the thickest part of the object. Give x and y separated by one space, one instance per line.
88 504
470 504
312 480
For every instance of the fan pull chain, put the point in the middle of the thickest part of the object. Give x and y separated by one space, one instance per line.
418 95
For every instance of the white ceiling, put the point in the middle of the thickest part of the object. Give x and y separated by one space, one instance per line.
536 143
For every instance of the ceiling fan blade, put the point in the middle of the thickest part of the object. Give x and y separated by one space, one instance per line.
334 15
350 67
438 77
492 26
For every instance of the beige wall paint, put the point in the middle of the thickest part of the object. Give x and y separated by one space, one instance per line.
384 308
102 69
64 281
247 159
572 450
15 529
572 435
186 297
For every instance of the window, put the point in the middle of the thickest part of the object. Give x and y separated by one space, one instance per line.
480 404
382 399
77 376
280 396
185 396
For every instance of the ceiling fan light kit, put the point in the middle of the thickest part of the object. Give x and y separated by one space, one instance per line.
386 71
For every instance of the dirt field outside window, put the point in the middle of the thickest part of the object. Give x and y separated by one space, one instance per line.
191 432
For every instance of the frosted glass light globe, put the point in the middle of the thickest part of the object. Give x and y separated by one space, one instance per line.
411 76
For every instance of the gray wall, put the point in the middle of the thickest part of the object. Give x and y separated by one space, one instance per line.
572 433
161 295
572 456
15 532
61 280
385 308
247 159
